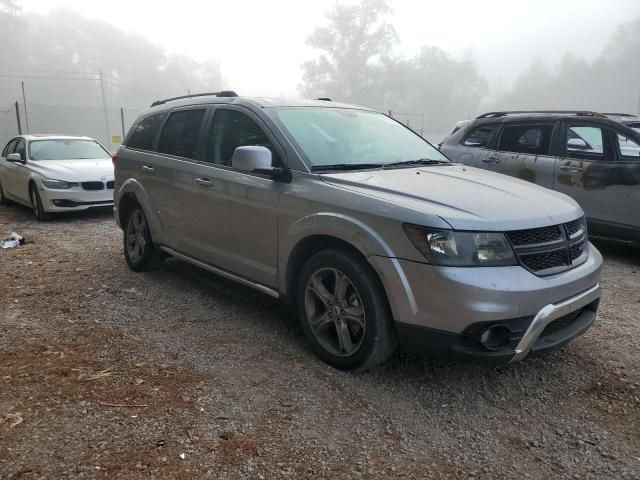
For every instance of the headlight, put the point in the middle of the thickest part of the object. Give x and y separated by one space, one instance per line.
461 249
58 184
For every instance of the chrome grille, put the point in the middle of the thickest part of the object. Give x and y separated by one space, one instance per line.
550 250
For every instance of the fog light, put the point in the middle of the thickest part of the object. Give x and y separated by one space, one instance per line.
495 337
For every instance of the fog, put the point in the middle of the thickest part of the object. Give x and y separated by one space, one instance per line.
429 63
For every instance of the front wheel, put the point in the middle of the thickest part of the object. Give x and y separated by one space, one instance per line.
344 312
36 203
139 250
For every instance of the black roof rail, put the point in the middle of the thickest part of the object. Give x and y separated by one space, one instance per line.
324 99
621 114
222 93
585 113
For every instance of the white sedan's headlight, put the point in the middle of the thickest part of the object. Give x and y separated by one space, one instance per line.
59 184
461 249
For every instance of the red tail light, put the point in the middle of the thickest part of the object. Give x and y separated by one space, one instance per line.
114 159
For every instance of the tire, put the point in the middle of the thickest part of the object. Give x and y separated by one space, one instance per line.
36 204
3 200
348 322
139 250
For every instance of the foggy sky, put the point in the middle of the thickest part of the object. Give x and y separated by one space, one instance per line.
261 45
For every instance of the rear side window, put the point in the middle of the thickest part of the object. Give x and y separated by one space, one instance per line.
628 148
480 136
144 133
180 133
531 139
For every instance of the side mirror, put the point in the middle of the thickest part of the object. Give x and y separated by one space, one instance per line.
15 158
257 159
577 144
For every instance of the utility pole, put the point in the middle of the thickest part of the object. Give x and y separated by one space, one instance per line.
24 102
18 118
122 121
104 108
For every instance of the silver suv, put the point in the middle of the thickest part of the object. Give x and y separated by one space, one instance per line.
370 232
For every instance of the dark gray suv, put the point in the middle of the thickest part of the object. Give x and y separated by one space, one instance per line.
370 232
594 158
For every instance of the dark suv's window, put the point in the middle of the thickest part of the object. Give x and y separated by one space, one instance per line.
480 136
532 139
232 129
145 132
180 133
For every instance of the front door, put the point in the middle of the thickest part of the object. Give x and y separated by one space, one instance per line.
585 169
231 217
18 175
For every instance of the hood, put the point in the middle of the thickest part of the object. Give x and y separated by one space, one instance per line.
466 198
73 170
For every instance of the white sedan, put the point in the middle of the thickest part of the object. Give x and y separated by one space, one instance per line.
56 173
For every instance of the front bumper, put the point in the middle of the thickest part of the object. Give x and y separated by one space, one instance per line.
74 199
437 309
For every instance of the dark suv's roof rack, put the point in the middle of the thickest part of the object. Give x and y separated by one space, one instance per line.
222 93
584 113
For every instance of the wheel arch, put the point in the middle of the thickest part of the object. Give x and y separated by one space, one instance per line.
132 193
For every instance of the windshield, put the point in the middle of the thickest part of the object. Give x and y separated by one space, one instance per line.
65 149
340 136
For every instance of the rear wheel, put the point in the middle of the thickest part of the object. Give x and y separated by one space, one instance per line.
139 250
36 204
344 311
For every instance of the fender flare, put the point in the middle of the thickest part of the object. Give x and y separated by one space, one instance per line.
133 187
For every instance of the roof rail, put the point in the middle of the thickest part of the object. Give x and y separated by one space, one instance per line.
585 113
621 114
222 93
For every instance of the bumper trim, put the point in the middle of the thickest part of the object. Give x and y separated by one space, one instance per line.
550 313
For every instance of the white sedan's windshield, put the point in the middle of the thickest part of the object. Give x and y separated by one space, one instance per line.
65 149
341 136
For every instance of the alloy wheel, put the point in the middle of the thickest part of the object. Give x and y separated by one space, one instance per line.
136 236
335 312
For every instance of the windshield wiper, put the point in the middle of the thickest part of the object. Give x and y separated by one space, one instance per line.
420 161
346 166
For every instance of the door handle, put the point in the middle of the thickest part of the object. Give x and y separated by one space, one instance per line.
571 168
205 182
147 168
491 160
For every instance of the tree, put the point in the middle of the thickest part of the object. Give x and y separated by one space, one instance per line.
354 45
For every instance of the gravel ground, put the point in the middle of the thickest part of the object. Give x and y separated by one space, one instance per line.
177 373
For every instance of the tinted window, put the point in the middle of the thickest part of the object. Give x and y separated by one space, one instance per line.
232 129
144 132
628 147
584 139
9 148
180 133
532 139
480 136
66 149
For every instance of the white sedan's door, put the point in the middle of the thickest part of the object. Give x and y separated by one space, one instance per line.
17 175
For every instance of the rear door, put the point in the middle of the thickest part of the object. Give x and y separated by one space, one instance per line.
476 148
524 152
585 169
624 189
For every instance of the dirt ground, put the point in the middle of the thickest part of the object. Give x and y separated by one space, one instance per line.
177 373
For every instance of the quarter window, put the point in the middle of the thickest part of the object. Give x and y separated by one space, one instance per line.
180 133
144 133
531 139
232 129
480 136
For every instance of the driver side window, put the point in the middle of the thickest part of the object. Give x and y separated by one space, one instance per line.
10 147
232 129
21 149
